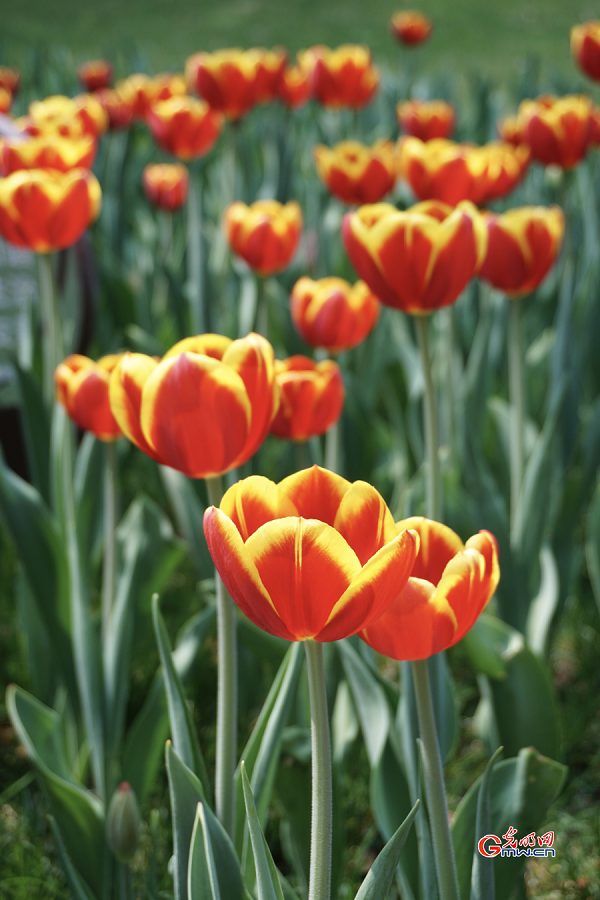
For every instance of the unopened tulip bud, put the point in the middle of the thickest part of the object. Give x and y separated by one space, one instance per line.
123 823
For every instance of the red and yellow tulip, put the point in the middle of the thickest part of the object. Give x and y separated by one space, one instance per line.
118 104
269 72
166 185
558 131
295 87
313 557
68 116
6 100
48 151
311 397
95 75
426 119
356 173
344 77
411 27
333 314
450 585
522 247
44 210
82 386
204 408
184 126
10 79
265 234
226 79
144 91
419 260
585 48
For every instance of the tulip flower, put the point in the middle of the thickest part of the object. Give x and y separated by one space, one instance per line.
295 87
355 173
333 314
450 585
522 247
265 234
311 397
344 77
6 99
48 151
510 131
9 79
70 117
595 127
82 386
43 210
418 260
183 126
311 557
118 104
227 79
585 48
203 409
558 131
146 91
426 119
410 27
269 73
95 75
166 185
443 170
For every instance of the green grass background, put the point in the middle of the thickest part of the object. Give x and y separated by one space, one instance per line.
493 38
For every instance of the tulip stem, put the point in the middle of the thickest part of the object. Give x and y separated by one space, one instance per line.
110 516
52 342
434 786
332 448
517 410
194 257
433 479
321 812
226 749
261 319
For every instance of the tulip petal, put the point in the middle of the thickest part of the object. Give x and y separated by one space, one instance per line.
374 589
439 544
305 566
126 385
316 493
89 402
239 573
253 359
252 502
364 520
418 624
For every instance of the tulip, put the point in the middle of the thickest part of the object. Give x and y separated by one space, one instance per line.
60 115
450 585
585 48
355 173
45 210
265 234
123 823
344 77
595 127
295 87
333 314
426 120
48 151
522 247
557 131
183 126
95 75
510 131
82 386
269 73
6 99
166 185
418 260
443 170
118 104
227 79
9 79
203 409
411 27
313 557
146 91
312 397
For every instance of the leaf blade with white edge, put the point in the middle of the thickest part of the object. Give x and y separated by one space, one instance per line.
482 873
267 880
202 882
369 700
381 874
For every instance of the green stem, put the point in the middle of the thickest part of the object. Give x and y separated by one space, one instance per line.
110 517
226 750
261 319
332 448
52 342
433 485
321 812
194 257
125 882
517 410
434 786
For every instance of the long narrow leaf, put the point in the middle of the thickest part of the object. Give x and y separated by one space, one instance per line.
267 879
381 874
482 873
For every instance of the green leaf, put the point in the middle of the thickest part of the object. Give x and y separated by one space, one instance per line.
37 536
189 515
36 431
445 707
182 727
88 487
186 792
521 793
202 883
78 813
482 873
369 700
543 606
592 545
381 874
79 890
490 644
344 723
267 879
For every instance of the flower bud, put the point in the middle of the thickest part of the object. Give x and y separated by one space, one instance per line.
123 823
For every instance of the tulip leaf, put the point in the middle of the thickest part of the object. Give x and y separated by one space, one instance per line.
344 723
88 486
482 873
202 881
189 515
369 700
36 431
183 733
445 707
522 790
77 887
592 545
186 793
78 812
490 644
543 606
381 874
267 879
